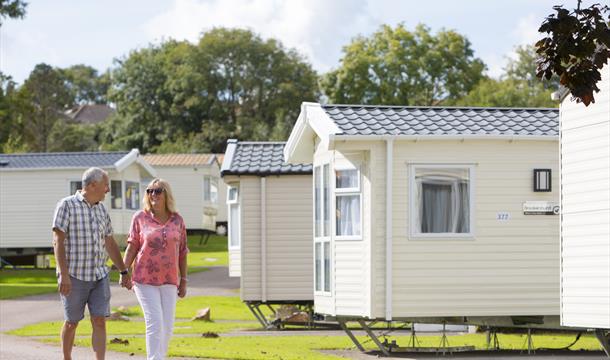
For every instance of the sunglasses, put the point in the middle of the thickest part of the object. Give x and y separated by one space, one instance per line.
157 191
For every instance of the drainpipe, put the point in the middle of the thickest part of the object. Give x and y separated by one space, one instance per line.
263 239
388 228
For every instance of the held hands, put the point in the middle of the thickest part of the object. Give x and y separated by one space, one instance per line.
125 281
65 285
182 288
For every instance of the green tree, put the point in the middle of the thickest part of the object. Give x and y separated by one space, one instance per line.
151 104
396 66
523 67
251 85
507 93
12 9
45 97
11 125
193 97
518 86
86 85
66 136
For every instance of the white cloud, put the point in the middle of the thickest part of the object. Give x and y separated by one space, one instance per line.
316 28
27 46
526 32
495 64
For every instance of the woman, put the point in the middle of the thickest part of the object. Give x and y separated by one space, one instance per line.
157 242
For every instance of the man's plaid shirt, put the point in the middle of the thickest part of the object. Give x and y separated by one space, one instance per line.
86 227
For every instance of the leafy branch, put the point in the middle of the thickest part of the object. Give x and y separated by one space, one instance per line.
576 47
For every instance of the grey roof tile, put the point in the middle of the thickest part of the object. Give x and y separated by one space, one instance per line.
408 120
60 160
263 158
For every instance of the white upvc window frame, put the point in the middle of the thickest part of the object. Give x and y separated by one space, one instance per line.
416 235
323 238
352 191
234 202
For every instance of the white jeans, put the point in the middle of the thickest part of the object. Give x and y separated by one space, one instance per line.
159 306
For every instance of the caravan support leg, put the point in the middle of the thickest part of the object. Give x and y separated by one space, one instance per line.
413 342
351 336
258 314
373 337
529 341
492 337
604 340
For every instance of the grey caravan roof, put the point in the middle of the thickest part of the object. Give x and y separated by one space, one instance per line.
259 158
60 160
439 121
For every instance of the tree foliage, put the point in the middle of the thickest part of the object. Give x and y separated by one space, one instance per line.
517 87
86 85
44 97
11 128
178 96
146 105
396 66
577 45
12 9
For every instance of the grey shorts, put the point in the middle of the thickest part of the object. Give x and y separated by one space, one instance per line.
95 294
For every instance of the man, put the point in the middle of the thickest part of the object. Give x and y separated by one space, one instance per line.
82 240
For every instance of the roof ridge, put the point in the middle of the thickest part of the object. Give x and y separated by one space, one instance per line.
438 107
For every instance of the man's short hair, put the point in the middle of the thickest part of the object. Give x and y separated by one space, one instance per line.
93 175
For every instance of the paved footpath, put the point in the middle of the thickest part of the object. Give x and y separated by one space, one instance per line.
34 309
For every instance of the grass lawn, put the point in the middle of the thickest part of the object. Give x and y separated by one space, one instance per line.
20 282
306 347
134 327
222 307
23 282
230 315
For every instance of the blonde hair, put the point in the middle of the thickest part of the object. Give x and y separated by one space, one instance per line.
170 203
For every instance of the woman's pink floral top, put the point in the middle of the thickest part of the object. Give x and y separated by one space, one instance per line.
160 246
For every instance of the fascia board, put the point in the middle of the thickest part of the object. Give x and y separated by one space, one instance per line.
312 120
339 137
229 153
296 137
320 122
146 166
126 160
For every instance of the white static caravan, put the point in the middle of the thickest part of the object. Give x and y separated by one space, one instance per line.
585 211
439 212
270 211
32 184
195 181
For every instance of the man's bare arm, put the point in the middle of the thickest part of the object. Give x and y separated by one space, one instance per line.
115 254
59 248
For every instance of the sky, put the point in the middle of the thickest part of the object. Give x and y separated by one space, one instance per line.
95 32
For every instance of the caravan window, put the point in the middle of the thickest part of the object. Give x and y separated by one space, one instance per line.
75 186
234 217
132 195
116 194
441 200
322 206
210 189
347 201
